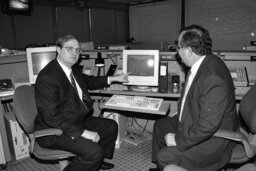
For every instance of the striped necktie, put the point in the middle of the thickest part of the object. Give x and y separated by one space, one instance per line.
73 81
85 96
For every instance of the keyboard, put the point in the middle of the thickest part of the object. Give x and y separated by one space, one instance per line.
241 90
239 75
136 102
6 93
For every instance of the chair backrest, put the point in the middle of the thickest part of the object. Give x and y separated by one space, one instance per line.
247 109
25 107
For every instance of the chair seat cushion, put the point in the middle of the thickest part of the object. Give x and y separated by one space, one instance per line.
238 154
50 154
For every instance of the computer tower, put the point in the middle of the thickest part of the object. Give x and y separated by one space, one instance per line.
2 157
17 139
122 126
163 77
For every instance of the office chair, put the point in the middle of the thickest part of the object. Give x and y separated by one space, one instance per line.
246 167
25 111
245 149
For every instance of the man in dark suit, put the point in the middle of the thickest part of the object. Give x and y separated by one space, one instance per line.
207 104
63 102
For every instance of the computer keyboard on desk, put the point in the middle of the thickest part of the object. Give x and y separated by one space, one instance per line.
137 102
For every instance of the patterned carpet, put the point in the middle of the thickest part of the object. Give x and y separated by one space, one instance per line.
127 158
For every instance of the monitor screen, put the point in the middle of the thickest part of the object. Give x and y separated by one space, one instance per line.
37 59
143 66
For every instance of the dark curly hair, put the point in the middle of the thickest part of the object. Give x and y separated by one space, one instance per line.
197 38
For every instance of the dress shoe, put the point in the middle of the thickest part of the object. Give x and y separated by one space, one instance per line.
154 169
106 166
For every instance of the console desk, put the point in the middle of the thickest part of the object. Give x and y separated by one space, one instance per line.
166 96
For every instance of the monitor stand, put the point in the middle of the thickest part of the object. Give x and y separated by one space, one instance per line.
142 88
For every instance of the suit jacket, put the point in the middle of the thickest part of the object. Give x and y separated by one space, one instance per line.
210 105
58 103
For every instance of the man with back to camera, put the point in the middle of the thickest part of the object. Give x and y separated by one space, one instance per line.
63 102
207 104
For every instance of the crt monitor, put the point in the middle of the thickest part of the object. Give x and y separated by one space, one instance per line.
37 59
17 7
143 66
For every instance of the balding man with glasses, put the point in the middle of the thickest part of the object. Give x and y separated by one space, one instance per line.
207 104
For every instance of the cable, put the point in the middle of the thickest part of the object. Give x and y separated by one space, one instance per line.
109 56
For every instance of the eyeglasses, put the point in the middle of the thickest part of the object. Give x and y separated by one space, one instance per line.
71 49
178 48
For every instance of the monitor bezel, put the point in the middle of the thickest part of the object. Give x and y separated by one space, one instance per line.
142 80
30 51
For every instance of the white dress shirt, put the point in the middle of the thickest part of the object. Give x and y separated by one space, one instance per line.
67 72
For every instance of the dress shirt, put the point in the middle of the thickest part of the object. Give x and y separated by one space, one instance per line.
67 72
190 79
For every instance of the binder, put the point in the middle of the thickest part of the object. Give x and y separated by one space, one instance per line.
163 77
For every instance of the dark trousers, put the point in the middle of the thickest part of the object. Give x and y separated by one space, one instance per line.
161 128
89 154
193 159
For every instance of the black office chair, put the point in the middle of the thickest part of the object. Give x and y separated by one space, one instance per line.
245 148
25 111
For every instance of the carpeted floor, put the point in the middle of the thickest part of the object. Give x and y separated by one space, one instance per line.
127 158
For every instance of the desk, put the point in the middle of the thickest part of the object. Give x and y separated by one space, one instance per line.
104 92
167 96
122 130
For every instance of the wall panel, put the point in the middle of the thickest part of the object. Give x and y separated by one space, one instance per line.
232 23
155 22
35 29
71 20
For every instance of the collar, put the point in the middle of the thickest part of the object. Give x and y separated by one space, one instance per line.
196 66
65 69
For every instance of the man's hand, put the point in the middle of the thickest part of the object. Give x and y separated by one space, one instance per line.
169 139
94 136
122 78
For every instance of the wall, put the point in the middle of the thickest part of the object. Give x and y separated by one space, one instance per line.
50 20
232 23
154 23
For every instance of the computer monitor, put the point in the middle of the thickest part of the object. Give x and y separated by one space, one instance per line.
37 59
17 7
143 66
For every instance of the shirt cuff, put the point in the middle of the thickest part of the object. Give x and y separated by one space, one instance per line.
108 81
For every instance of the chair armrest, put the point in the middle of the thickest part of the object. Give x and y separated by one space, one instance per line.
235 136
47 132
248 140
42 133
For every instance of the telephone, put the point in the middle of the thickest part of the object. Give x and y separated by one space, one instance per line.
111 70
239 75
5 84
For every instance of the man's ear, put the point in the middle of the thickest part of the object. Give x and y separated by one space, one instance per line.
58 49
190 51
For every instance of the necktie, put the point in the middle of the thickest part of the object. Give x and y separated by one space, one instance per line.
73 81
85 96
185 91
